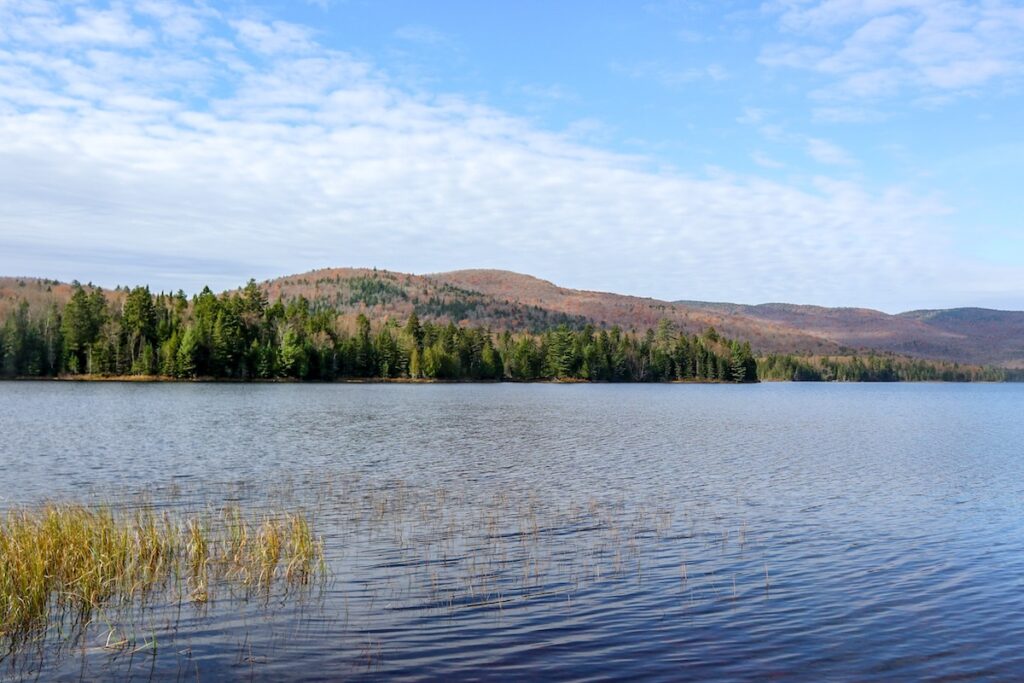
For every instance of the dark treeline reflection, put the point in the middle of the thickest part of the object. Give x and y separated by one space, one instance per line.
241 335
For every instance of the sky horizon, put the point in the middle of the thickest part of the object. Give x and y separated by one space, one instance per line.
860 153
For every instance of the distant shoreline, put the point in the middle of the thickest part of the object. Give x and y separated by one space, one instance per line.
158 379
151 379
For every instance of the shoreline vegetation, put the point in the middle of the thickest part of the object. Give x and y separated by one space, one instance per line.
982 378
240 336
164 379
64 565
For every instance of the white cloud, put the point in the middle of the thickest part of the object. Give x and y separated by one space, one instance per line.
589 129
273 38
242 164
717 72
751 116
45 23
869 44
418 33
846 114
177 21
763 160
553 92
825 152
691 36
880 49
793 56
671 76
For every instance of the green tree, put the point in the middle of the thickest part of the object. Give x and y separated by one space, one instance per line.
365 364
138 321
187 363
80 327
560 360
294 359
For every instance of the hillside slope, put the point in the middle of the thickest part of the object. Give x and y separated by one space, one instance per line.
502 300
631 312
965 335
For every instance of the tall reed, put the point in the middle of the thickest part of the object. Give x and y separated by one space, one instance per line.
66 561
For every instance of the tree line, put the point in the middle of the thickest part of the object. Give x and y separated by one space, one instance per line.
876 368
242 336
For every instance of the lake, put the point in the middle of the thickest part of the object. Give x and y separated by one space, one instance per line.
520 531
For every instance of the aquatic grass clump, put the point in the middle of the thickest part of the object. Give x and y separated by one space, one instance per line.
61 563
256 554
76 559
304 550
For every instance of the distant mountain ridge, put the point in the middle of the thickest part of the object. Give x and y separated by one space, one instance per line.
966 335
506 300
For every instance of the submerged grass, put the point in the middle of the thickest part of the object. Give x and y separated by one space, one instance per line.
62 563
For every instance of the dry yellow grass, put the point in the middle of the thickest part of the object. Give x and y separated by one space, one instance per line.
68 561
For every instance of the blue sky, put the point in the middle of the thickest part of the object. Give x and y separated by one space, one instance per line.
836 152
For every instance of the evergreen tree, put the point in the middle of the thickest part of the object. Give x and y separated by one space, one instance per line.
138 320
187 363
80 327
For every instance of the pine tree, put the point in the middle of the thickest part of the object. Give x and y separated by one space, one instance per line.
138 320
188 352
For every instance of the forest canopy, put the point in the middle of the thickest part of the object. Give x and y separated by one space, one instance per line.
241 335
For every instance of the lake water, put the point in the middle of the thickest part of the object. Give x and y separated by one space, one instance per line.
796 531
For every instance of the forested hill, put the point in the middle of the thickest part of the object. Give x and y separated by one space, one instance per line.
964 335
57 330
504 300
500 301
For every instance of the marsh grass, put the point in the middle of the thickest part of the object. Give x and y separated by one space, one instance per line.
66 564
442 550
394 549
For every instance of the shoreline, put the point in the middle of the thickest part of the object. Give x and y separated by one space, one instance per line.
160 379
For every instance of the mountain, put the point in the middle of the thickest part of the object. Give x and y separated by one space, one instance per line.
634 313
965 335
504 300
